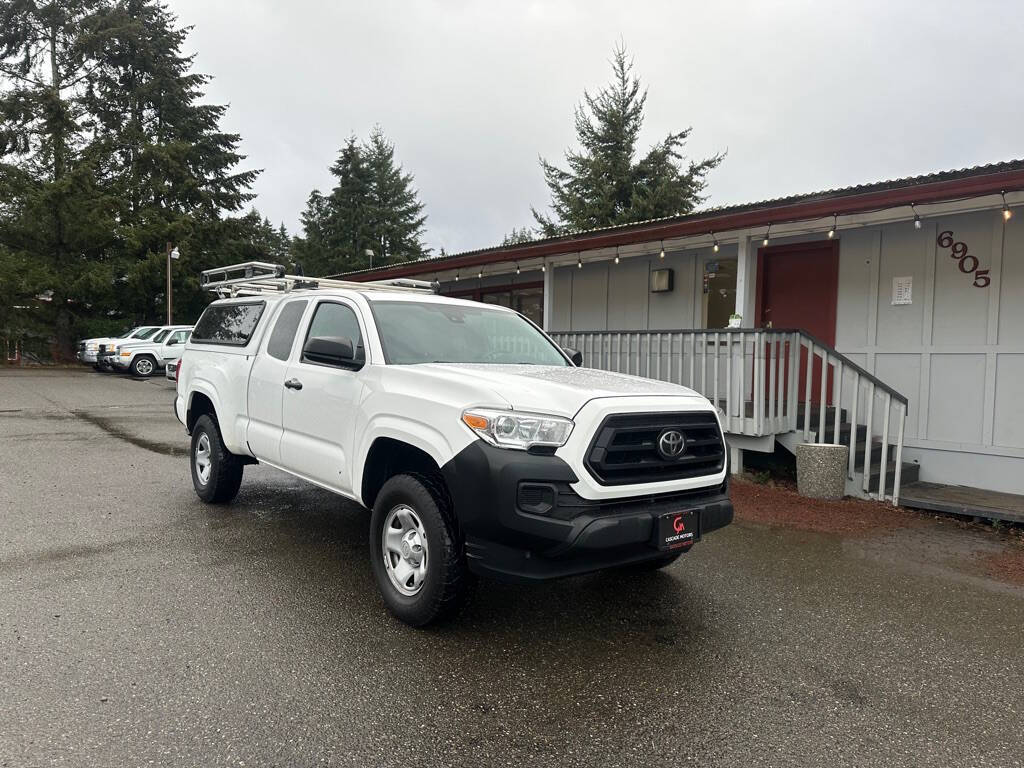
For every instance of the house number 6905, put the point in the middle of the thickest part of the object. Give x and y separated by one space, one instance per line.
968 263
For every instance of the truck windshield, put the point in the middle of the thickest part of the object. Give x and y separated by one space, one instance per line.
144 334
427 332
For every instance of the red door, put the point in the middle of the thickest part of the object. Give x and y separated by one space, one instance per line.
797 286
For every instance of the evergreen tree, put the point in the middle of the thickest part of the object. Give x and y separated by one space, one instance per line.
372 207
54 216
518 235
106 156
311 250
605 184
348 232
395 214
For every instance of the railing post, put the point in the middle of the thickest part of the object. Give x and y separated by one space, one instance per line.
885 448
715 378
794 380
823 397
728 382
808 370
773 403
899 456
853 423
837 400
742 400
867 436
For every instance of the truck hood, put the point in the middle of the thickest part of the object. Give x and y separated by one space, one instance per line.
557 390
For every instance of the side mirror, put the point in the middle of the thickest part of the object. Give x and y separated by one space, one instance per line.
575 355
171 342
331 350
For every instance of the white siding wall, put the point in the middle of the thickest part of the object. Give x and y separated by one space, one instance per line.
604 296
957 351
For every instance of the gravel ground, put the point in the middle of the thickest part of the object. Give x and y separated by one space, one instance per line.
140 627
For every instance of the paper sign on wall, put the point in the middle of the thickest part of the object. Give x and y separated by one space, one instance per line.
902 290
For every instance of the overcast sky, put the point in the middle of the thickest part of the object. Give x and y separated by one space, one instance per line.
803 95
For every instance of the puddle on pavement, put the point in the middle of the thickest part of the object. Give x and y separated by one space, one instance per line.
114 430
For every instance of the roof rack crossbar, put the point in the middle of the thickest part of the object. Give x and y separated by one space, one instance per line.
255 277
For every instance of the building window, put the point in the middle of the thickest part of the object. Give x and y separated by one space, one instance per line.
527 299
719 292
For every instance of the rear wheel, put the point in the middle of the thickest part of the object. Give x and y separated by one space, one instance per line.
417 552
143 366
216 472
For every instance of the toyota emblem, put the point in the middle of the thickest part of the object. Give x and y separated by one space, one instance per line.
671 444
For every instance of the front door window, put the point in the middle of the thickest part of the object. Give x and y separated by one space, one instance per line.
719 292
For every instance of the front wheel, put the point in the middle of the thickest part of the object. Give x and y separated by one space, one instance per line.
216 472
417 551
143 366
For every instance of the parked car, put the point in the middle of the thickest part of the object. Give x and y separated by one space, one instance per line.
170 370
481 447
90 351
144 358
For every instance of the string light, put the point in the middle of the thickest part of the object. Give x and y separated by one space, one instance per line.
715 246
767 234
832 232
543 268
662 254
616 254
517 267
480 274
1007 213
456 276
579 262
917 219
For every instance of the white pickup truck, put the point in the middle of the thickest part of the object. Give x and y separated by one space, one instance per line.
481 447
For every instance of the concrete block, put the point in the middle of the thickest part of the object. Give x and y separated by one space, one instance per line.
821 470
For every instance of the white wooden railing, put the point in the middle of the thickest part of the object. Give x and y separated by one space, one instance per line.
764 383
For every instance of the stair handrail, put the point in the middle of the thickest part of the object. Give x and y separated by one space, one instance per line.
774 410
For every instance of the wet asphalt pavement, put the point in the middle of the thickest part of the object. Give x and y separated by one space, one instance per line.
140 627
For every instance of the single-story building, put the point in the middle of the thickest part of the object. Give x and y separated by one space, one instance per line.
910 294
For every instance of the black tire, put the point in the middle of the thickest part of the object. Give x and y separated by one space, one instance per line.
225 475
448 583
147 363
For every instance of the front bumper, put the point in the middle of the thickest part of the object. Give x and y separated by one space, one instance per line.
568 534
87 357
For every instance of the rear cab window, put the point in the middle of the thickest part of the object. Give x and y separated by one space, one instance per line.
283 336
228 324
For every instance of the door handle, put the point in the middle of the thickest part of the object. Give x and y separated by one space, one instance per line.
293 384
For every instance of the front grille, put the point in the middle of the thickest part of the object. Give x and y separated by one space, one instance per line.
625 448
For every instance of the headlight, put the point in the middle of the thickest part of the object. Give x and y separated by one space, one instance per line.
510 429
92 347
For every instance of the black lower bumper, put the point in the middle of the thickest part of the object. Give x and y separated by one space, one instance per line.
523 522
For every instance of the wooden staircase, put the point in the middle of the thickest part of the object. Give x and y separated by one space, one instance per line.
910 472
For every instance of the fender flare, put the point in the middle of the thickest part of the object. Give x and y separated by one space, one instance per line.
418 434
201 387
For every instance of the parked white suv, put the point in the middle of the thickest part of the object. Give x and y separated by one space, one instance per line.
144 358
93 351
478 444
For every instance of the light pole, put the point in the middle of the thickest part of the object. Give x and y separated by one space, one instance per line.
172 253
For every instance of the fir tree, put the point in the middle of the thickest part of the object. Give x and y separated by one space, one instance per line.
373 207
395 213
605 184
